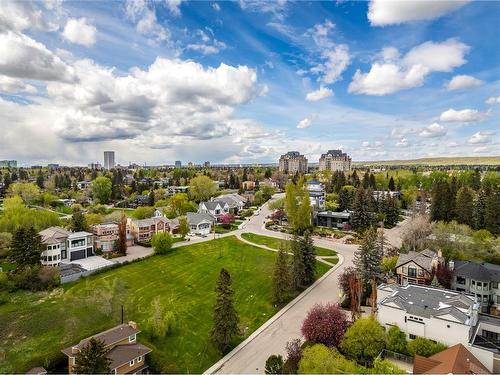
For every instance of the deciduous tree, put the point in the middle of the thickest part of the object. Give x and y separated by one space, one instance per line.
325 324
281 277
162 242
363 341
101 189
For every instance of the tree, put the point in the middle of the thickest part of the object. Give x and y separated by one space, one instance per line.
325 324
281 277
346 197
392 185
318 359
368 257
40 179
362 217
101 189
396 340
178 205
464 206
416 232
26 247
122 234
479 210
143 212
291 205
492 212
26 190
363 341
92 359
441 208
225 327
201 188
78 222
308 257
162 242
389 264
226 220
424 347
162 320
183 228
391 210
303 219
294 352
274 365
298 268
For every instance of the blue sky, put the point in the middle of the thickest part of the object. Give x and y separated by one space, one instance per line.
246 81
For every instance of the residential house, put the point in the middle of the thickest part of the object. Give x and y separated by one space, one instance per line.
248 185
454 360
417 267
332 219
160 212
200 223
126 355
335 160
485 342
215 208
36 371
105 235
82 185
293 162
317 194
61 245
420 311
171 190
235 202
143 230
481 279
383 194
67 202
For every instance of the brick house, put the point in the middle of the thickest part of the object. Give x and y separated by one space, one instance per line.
143 230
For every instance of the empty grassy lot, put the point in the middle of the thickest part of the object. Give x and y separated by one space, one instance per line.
274 243
35 327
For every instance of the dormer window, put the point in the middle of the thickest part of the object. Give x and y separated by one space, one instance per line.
132 338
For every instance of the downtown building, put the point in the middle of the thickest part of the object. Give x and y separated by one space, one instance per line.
335 160
109 159
293 162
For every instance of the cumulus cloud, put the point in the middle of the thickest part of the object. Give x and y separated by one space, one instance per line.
21 15
79 31
464 115
391 73
403 143
174 6
322 93
23 57
433 131
139 12
493 100
481 137
462 82
387 12
304 123
13 85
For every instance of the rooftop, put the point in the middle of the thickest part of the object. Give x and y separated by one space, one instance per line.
477 271
422 258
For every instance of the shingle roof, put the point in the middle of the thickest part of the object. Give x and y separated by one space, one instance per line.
196 218
454 360
150 221
212 205
423 259
54 235
477 271
122 354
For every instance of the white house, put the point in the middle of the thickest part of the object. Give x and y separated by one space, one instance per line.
160 212
235 202
438 314
214 208
200 223
60 245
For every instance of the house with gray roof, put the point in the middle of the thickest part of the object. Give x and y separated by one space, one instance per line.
417 267
60 245
441 315
235 202
215 208
481 279
200 223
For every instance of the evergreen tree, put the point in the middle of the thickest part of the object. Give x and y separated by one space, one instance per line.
362 216
373 183
392 185
78 222
225 317
354 179
441 201
308 257
121 243
492 212
26 247
366 180
479 211
298 267
368 257
346 197
40 179
464 206
476 180
391 210
281 277
92 359
452 200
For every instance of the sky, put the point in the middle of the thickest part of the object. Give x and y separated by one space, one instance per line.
246 81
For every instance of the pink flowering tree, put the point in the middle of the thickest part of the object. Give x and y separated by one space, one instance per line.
226 220
325 324
278 215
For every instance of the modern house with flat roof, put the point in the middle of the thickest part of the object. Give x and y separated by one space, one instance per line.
332 219
61 245
317 194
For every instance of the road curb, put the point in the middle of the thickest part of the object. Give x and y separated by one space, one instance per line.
220 363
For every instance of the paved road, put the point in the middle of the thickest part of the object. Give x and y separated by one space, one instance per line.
250 356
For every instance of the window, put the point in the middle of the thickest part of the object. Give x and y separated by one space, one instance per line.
78 243
412 272
139 359
485 298
420 273
460 280
131 338
412 336
404 270
132 362
473 283
494 285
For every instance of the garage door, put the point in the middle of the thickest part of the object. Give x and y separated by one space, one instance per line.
80 254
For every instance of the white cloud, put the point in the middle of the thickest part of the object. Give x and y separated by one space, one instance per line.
387 12
462 82
403 143
13 85
174 6
391 73
206 44
493 100
79 31
322 93
464 115
216 7
371 146
304 123
433 131
139 12
21 15
481 137
25 58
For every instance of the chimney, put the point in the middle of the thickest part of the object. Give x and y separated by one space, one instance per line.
132 324
451 265
74 350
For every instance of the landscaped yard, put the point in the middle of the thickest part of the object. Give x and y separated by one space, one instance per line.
233 226
274 243
35 327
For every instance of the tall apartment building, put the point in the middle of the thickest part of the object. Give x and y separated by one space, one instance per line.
293 162
335 160
109 159
178 164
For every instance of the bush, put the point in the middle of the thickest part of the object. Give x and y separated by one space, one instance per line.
424 347
396 340
36 278
363 341
319 359
325 324
162 242
294 352
274 365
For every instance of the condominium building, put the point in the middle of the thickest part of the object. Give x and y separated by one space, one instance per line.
178 164
109 159
335 160
293 162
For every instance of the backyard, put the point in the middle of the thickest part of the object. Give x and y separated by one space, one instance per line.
274 243
35 327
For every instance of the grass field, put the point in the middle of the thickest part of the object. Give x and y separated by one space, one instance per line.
35 327
274 243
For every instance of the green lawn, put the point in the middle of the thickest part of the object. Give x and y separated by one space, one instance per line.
274 243
6 266
35 327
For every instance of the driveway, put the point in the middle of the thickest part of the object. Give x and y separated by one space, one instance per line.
133 253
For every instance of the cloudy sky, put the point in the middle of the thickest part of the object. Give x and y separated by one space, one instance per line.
246 81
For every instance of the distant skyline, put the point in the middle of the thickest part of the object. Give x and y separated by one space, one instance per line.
246 81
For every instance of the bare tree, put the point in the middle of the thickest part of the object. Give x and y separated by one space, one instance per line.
416 232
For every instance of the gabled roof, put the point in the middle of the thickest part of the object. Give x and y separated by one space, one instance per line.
478 271
423 259
196 218
123 354
212 205
54 235
454 360
150 221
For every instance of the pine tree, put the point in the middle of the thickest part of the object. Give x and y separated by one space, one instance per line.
441 201
40 180
373 183
225 327
298 267
78 222
479 211
362 216
17 247
309 258
391 210
368 257
346 197
92 359
492 212
392 185
281 277
26 247
366 180
464 206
